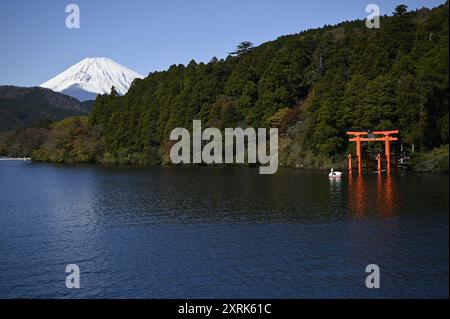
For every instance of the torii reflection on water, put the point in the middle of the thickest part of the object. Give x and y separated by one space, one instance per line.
361 197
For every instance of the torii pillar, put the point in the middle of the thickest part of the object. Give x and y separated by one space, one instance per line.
358 140
387 150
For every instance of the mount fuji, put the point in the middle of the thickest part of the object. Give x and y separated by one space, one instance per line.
92 76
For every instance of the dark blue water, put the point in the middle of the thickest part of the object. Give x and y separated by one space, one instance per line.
219 232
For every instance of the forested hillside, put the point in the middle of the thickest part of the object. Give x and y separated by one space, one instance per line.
312 85
23 106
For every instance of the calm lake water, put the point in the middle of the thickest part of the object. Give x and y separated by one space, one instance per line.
203 232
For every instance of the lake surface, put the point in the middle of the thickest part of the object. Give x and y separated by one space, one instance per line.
200 232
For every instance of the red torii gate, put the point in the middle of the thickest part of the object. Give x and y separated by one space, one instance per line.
360 136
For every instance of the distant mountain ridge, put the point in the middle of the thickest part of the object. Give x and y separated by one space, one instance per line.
92 76
24 106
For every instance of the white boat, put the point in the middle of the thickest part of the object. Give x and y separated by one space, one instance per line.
334 174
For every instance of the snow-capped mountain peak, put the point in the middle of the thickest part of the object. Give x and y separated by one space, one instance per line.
92 76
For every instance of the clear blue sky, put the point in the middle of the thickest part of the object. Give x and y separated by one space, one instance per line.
145 35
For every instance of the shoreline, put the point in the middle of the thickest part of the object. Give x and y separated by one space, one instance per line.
306 168
15 159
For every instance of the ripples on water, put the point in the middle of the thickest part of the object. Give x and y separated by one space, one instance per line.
203 232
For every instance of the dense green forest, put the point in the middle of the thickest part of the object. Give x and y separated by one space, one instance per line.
312 86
